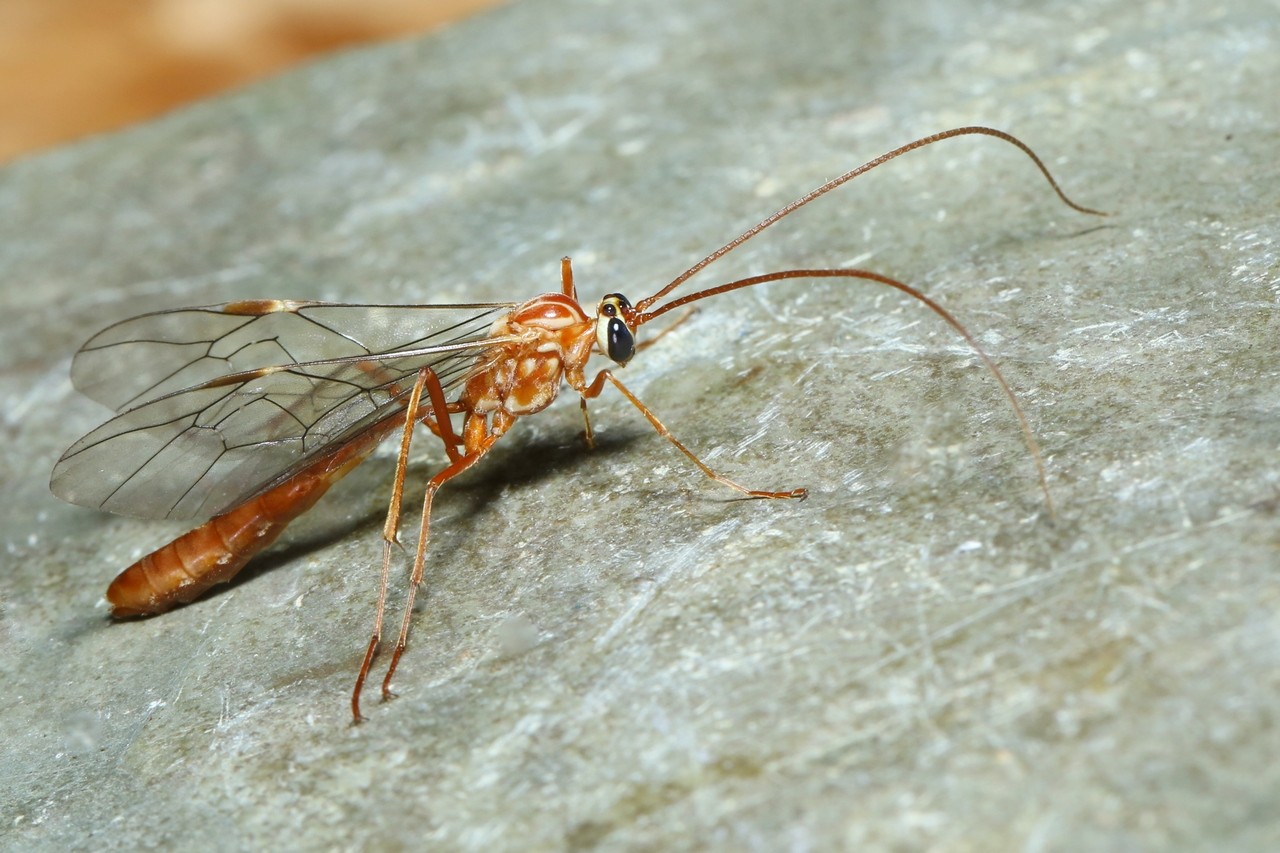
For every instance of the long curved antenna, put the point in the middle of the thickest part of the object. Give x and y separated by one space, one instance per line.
643 304
946 315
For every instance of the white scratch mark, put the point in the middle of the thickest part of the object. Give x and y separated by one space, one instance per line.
677 562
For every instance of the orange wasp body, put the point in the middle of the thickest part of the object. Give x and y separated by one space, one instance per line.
244 414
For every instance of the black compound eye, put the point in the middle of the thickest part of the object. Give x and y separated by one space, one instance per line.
621 344
612 332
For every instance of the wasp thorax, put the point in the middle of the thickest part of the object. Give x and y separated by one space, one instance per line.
612 332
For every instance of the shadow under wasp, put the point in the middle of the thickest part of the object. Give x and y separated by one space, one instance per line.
242 415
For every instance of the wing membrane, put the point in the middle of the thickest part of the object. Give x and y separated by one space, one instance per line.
219 404
152 355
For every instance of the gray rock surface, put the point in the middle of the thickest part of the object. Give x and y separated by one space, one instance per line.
609 651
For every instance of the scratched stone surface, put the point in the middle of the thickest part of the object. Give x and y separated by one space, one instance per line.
609 651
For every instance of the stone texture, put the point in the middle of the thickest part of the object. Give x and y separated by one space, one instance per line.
609 651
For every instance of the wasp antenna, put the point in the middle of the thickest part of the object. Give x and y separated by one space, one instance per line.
1028 436
830 185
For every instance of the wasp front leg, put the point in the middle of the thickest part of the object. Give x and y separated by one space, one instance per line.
597 385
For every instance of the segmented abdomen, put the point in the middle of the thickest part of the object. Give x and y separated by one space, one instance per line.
215 551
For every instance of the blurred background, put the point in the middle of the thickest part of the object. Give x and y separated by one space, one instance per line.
69 68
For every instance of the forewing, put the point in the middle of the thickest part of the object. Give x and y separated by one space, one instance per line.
153 355
230 400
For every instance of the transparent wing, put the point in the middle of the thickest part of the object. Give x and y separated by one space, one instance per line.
218 404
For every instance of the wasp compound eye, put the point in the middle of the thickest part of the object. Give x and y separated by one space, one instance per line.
620 343
612 332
